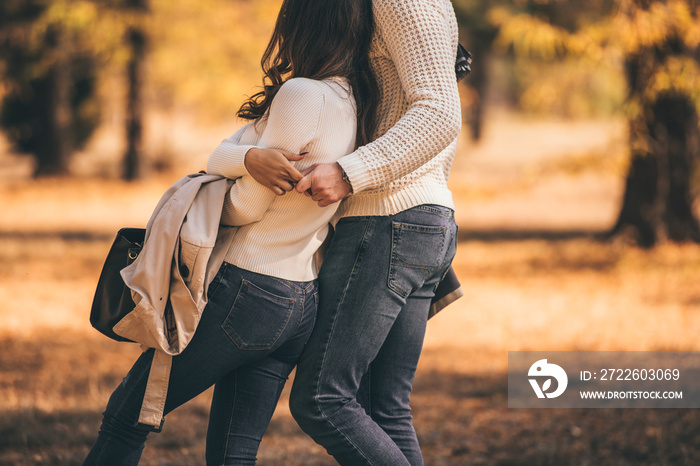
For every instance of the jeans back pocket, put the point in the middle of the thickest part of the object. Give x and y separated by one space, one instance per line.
417 251
257 317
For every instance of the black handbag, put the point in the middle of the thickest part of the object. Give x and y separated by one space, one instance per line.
112 299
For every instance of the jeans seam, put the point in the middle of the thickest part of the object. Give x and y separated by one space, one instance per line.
302 303
298 287
217 283
230 418
370 226
98 458
369 391
440 210
127 395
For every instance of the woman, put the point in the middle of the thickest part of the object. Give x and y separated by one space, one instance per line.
318 101
394 239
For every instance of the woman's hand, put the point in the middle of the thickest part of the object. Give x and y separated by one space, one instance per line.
272 168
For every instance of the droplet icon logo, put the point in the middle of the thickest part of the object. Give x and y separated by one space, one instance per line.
542 369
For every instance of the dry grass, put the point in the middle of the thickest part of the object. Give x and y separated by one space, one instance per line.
522 292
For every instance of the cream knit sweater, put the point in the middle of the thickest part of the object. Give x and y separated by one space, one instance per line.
413 55
279 235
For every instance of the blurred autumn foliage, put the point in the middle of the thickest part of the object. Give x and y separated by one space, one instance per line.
653 46
57 58
638 58
569 101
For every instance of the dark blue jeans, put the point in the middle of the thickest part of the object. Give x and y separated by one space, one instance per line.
248 340
353 382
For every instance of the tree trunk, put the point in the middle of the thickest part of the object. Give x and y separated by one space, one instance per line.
677 137
55 147
665 141
136 38
478 79
658 199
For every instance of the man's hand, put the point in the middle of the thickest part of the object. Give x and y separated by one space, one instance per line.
272 168
324 183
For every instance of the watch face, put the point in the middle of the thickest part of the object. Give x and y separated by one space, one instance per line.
346 179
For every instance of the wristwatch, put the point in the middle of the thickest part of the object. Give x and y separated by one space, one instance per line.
345 178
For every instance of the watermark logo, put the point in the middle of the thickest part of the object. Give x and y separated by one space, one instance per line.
604 379
542 369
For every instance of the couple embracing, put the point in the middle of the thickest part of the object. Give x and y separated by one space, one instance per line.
355 133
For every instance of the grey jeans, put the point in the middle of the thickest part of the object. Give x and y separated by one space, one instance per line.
249 339
353 382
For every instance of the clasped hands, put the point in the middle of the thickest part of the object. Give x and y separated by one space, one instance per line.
272 168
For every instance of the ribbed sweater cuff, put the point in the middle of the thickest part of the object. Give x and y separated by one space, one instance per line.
379 203
360 178
228 159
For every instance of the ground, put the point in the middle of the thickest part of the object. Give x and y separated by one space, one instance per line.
532 199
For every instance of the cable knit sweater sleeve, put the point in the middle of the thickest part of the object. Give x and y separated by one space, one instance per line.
291 125
419 40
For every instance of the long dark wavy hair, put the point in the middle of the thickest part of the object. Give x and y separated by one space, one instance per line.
320 39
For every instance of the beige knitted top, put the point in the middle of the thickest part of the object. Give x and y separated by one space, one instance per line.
413 55
279 235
